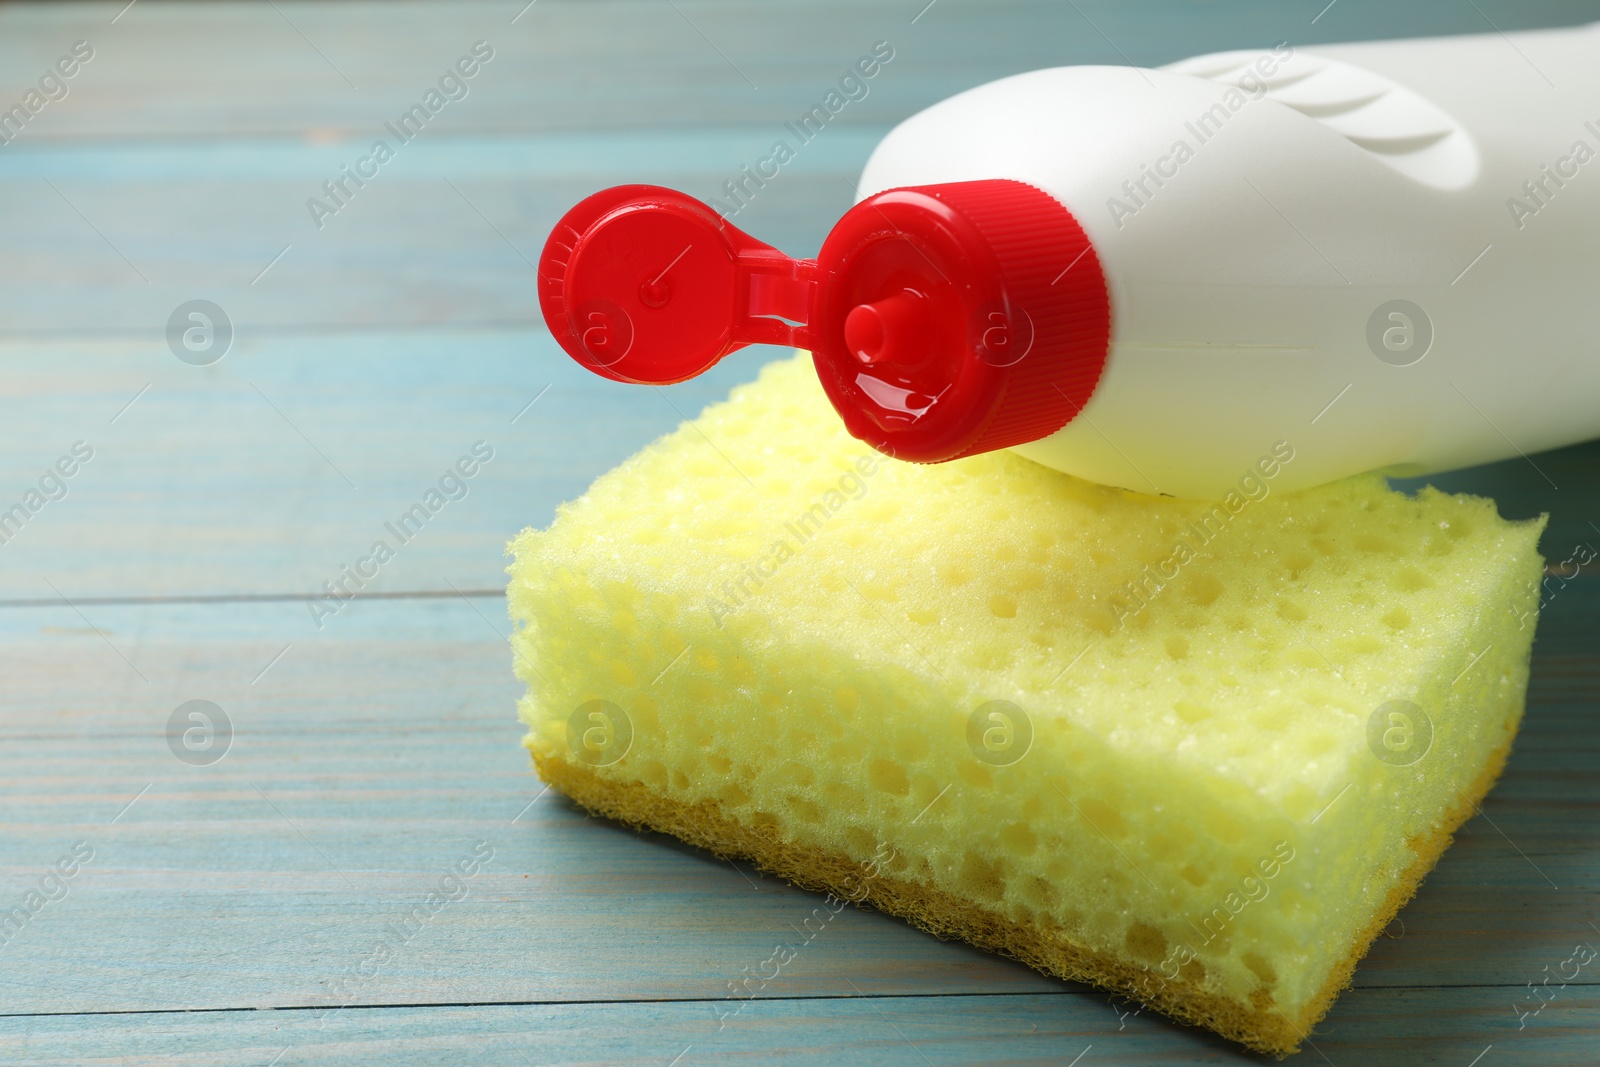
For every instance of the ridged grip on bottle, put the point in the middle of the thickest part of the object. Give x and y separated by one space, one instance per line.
1051 272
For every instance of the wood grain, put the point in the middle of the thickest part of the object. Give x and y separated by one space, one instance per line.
368 759
1378 1028
371 753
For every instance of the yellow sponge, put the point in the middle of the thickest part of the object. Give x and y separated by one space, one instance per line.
1198 754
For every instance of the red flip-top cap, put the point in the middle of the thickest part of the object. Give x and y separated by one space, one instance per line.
944 320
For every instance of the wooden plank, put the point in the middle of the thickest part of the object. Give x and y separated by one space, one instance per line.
270 471
373 753
363 765
182 164
446 233
173 69
1374 1028
368 759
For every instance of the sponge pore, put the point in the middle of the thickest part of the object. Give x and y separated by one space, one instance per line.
1195 753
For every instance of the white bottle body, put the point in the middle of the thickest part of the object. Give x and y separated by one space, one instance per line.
1254 273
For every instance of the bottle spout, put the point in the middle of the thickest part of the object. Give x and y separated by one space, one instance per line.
894 330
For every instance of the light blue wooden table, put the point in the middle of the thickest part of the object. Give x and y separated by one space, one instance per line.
273 906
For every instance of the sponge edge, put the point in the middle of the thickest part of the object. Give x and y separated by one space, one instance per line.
1199 754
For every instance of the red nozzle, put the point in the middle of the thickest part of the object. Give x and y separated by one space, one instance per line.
894 330
944 320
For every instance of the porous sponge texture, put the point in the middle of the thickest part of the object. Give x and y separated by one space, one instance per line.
1196 790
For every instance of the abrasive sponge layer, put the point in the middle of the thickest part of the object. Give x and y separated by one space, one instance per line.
1197 753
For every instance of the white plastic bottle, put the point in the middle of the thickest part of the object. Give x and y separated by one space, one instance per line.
1315 261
